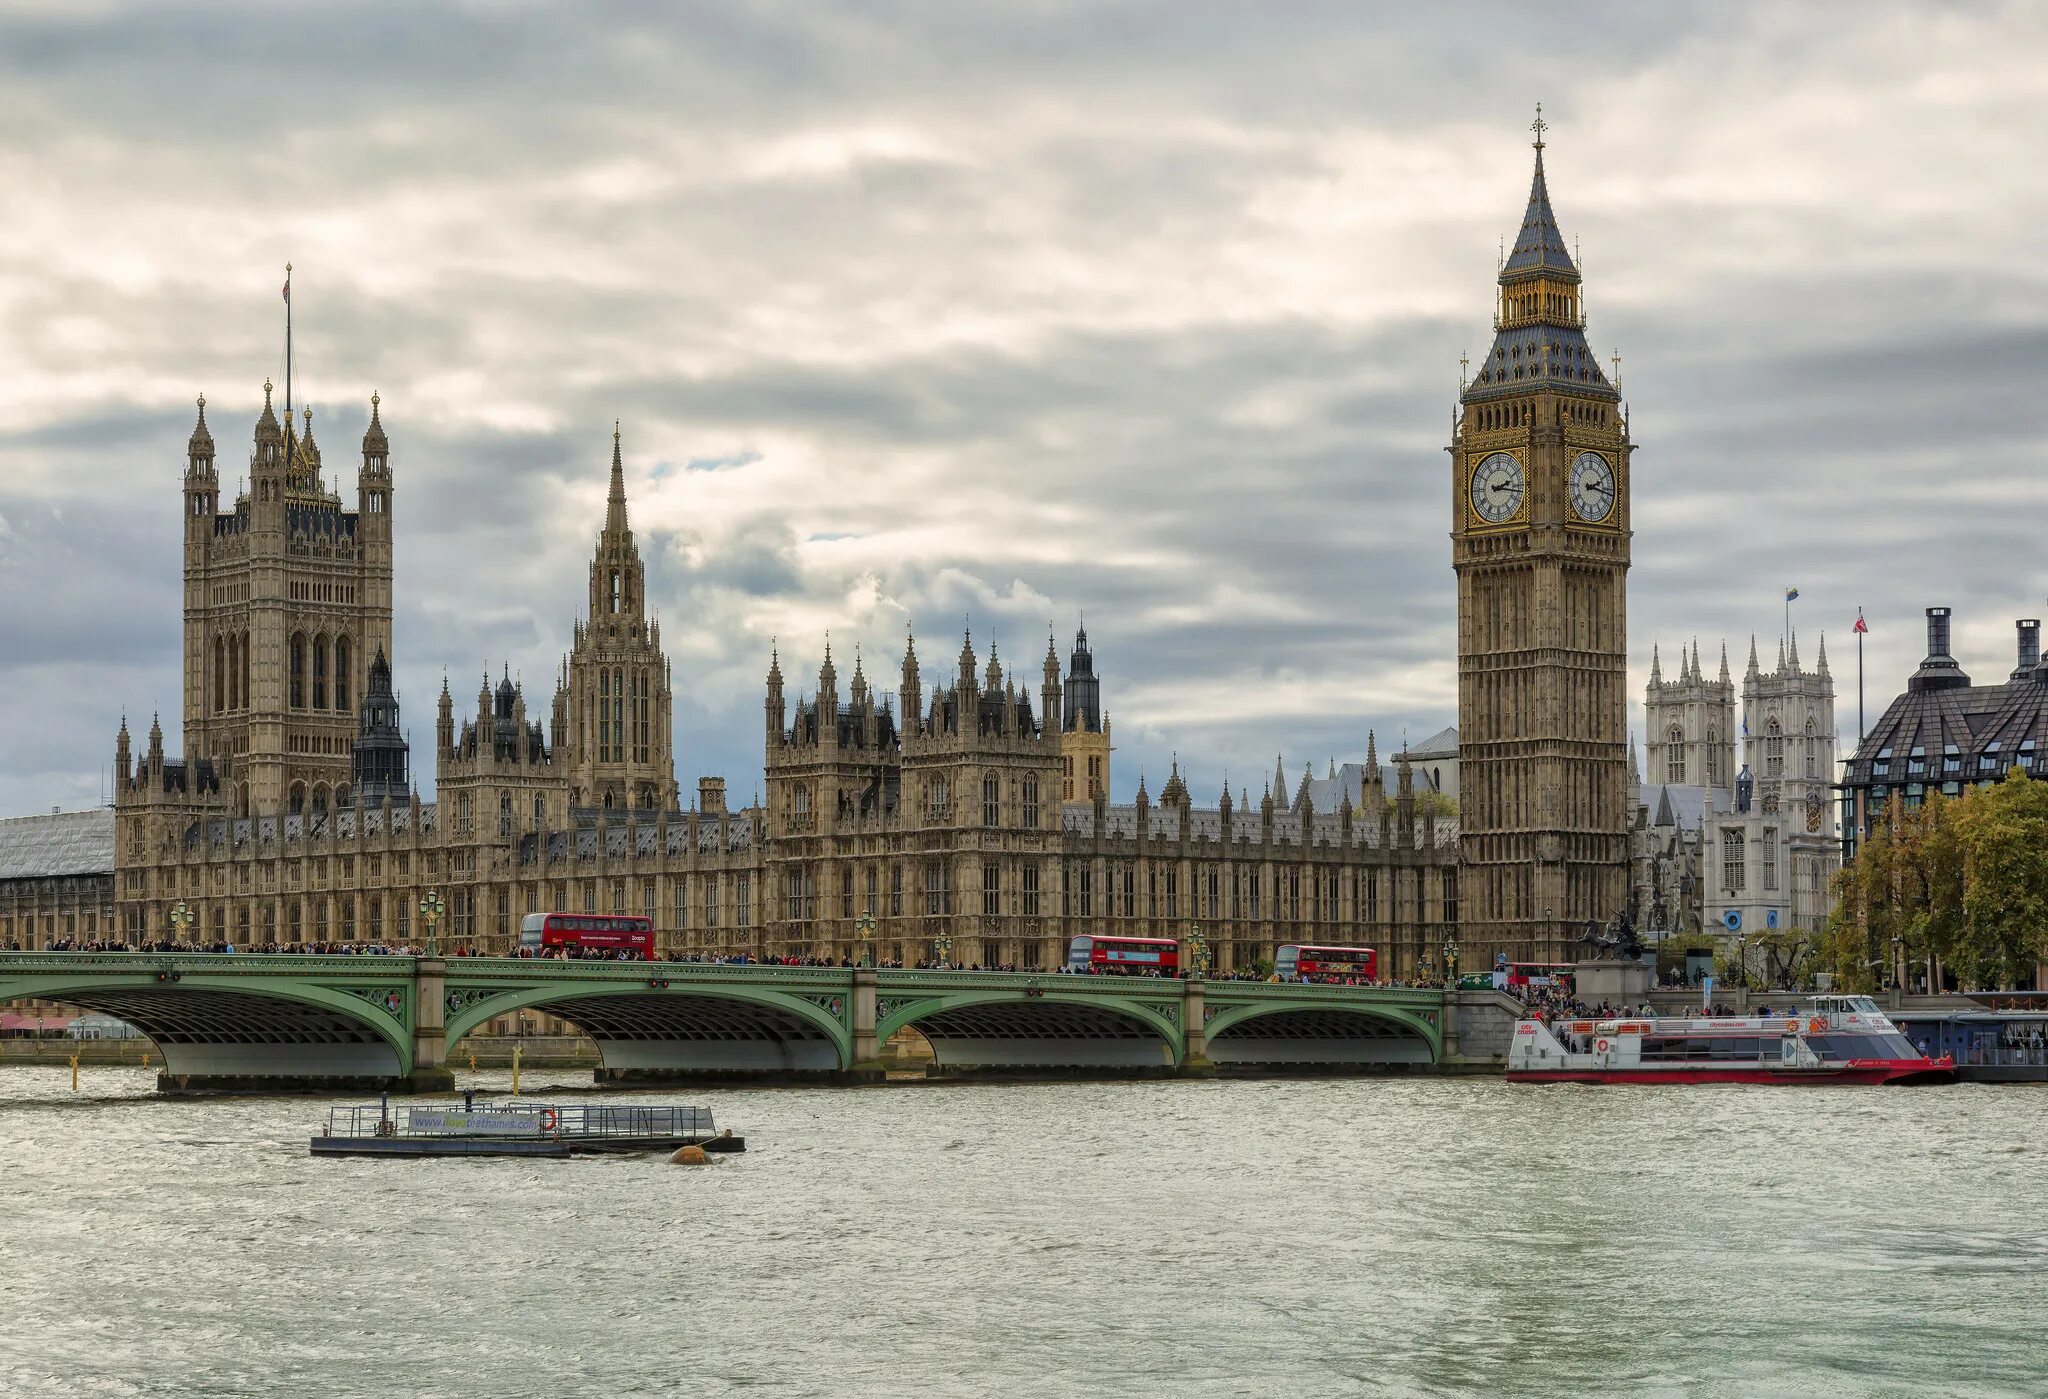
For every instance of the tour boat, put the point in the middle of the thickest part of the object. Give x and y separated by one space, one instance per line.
1832 1039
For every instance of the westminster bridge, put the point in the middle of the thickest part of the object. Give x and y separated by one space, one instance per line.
242 1021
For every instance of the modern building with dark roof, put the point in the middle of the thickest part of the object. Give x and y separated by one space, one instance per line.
1945 733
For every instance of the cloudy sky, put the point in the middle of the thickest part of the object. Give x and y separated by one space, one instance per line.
916 313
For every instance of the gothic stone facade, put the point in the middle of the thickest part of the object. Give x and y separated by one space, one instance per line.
945 833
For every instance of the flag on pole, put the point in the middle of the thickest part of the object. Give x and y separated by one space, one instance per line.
287 289
1791 594
1861 625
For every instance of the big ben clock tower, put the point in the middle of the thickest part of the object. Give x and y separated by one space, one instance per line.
1540 542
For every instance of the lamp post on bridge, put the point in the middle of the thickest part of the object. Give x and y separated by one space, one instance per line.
181 921
1198 953
866 926
1451 962
942 950
431 909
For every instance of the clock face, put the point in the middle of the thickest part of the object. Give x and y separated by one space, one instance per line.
1592 487
1497 488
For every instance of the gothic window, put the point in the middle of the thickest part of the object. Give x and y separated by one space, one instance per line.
941 798
342 657
895 891
1713 755
710 900
743 900
615 590
220 675
298 670
1172 892
1732 852
540 811
1030 803
1774 749
462 814
991 891
991 800
1130 893
319 672
1674 755
505 814
1767 858
1813 749
846 893
1251 894
935 893
1086 891
1030 891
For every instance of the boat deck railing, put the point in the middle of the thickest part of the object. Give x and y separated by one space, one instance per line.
591 1121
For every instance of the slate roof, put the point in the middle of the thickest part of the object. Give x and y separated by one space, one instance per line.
60 843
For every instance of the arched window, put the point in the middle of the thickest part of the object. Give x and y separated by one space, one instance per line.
617 590
1031 803
1732 851
991 800
1713 755
319 672
505 814
341 671
1812 748
298 670
1774 749
1674 755
220 674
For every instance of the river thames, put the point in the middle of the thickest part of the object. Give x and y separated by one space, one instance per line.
1399 1236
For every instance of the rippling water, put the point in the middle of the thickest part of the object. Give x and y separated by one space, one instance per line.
1268 1238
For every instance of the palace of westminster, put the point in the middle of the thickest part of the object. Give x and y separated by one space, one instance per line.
965 818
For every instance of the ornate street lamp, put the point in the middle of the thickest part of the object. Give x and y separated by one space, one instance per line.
1742 960
181 921
942 950
866 924
1198 952
431 909
1451 960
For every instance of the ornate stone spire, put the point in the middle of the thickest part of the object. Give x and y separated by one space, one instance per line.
615 503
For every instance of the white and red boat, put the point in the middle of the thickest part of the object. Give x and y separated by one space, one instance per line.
1828 1039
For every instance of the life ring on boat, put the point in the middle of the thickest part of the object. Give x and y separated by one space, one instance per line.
1816 1025
1600 1046
549 1119
1791 1027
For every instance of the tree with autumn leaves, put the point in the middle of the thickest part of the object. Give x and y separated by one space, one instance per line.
1963 880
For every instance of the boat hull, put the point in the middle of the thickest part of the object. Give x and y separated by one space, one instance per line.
1856 1071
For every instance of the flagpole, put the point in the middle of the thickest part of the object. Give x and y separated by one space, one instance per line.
287 348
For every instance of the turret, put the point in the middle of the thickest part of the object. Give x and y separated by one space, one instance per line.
775 713
966 678
373 481
202 483
1049 689
913 685
124 767
444 724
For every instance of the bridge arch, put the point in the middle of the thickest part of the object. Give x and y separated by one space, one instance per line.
1312 1035
236 1031
680 1030
1027 1029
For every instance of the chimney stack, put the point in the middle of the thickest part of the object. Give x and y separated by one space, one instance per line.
2029 629
1939 671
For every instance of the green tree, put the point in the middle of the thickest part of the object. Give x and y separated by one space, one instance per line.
1963 880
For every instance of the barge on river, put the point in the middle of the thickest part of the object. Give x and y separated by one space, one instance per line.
1831 1039
518 1128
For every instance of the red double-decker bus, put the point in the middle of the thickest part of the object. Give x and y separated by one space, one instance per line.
591 934
1124 956
1303 960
